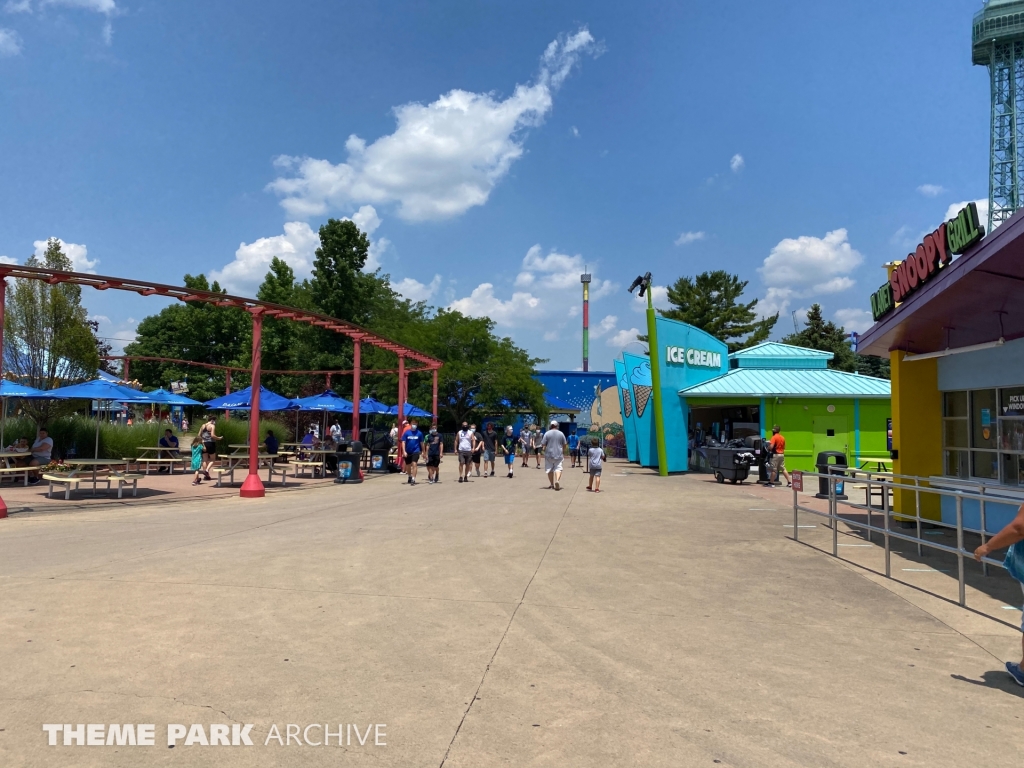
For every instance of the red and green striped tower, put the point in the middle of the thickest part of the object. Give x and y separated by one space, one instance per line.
585 279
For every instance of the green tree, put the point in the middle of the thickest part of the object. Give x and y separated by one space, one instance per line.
195 331
712 302
48 341
825 335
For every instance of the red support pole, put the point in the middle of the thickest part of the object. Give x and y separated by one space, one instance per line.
401 406
126 370
252 488
355 388
434 404
328 381
3 310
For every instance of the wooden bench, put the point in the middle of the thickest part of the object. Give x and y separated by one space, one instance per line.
13 471
304 465
71 483
147 461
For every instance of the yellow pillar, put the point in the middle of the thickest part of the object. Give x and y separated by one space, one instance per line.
916 428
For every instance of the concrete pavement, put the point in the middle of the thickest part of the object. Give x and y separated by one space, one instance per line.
665 621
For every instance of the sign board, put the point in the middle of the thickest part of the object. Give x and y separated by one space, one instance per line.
179 387
798 481
701 358
932 255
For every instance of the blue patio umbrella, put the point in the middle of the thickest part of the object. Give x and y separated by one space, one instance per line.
163 397
327 401
242 401
97 389
369 405
13 389
411 410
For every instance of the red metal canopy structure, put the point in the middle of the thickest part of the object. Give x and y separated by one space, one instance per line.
253 486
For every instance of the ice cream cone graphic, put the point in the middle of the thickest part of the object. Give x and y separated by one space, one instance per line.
642 392
627 403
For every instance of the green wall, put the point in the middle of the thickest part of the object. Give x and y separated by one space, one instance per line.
796 417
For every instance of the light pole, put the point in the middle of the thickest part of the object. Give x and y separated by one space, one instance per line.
643 282
585 279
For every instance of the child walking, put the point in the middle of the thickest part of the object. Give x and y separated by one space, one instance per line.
197 459
595 458
508 447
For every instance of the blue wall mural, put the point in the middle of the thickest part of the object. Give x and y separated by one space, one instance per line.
626 407
638 372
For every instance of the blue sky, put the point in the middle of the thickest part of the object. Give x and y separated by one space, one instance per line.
492 149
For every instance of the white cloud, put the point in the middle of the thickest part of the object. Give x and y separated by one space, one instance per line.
107 8
807 266
414 290
982 204
443 158
552 336
10 43
547 282
575 131
18 6
605 326
659 297
853 319
8 260
736 163
689 237
931 190
79 255
520 310
297 246
621 339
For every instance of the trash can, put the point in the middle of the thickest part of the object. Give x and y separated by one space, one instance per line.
758 448
831 463
379 459
732 464
348 461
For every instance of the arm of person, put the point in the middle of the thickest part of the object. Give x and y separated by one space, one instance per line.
1011 534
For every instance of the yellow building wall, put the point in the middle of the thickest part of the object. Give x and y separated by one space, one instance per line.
916 428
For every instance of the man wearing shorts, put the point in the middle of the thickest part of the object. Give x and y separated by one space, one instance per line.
553 444
778 447
526 444
464 440
508 447
538 440
412 441
435 450
595 458
574 444
490 442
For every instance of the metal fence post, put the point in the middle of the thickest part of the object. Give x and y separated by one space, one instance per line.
888 559
834 513
960 548
796 516
917 505
984 565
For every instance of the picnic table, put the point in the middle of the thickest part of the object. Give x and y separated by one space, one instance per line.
71 480
310 460
241 460
158 459
11 468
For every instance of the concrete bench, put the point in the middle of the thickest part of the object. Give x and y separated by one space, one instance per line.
123 480
70 483
223 472
304 465
15 471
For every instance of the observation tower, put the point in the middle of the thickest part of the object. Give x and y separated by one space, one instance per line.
997 42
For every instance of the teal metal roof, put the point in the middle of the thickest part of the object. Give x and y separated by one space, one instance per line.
772 354
757 382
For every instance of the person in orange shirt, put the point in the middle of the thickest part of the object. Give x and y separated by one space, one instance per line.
778 445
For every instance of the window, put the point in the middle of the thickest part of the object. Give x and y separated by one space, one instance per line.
983 434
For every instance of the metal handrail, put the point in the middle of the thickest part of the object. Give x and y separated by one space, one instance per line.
833 478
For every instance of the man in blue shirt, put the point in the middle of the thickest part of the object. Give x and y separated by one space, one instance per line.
168 441
271 442
574 444
412 443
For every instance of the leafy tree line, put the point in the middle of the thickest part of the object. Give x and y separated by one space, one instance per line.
713 302
483 372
